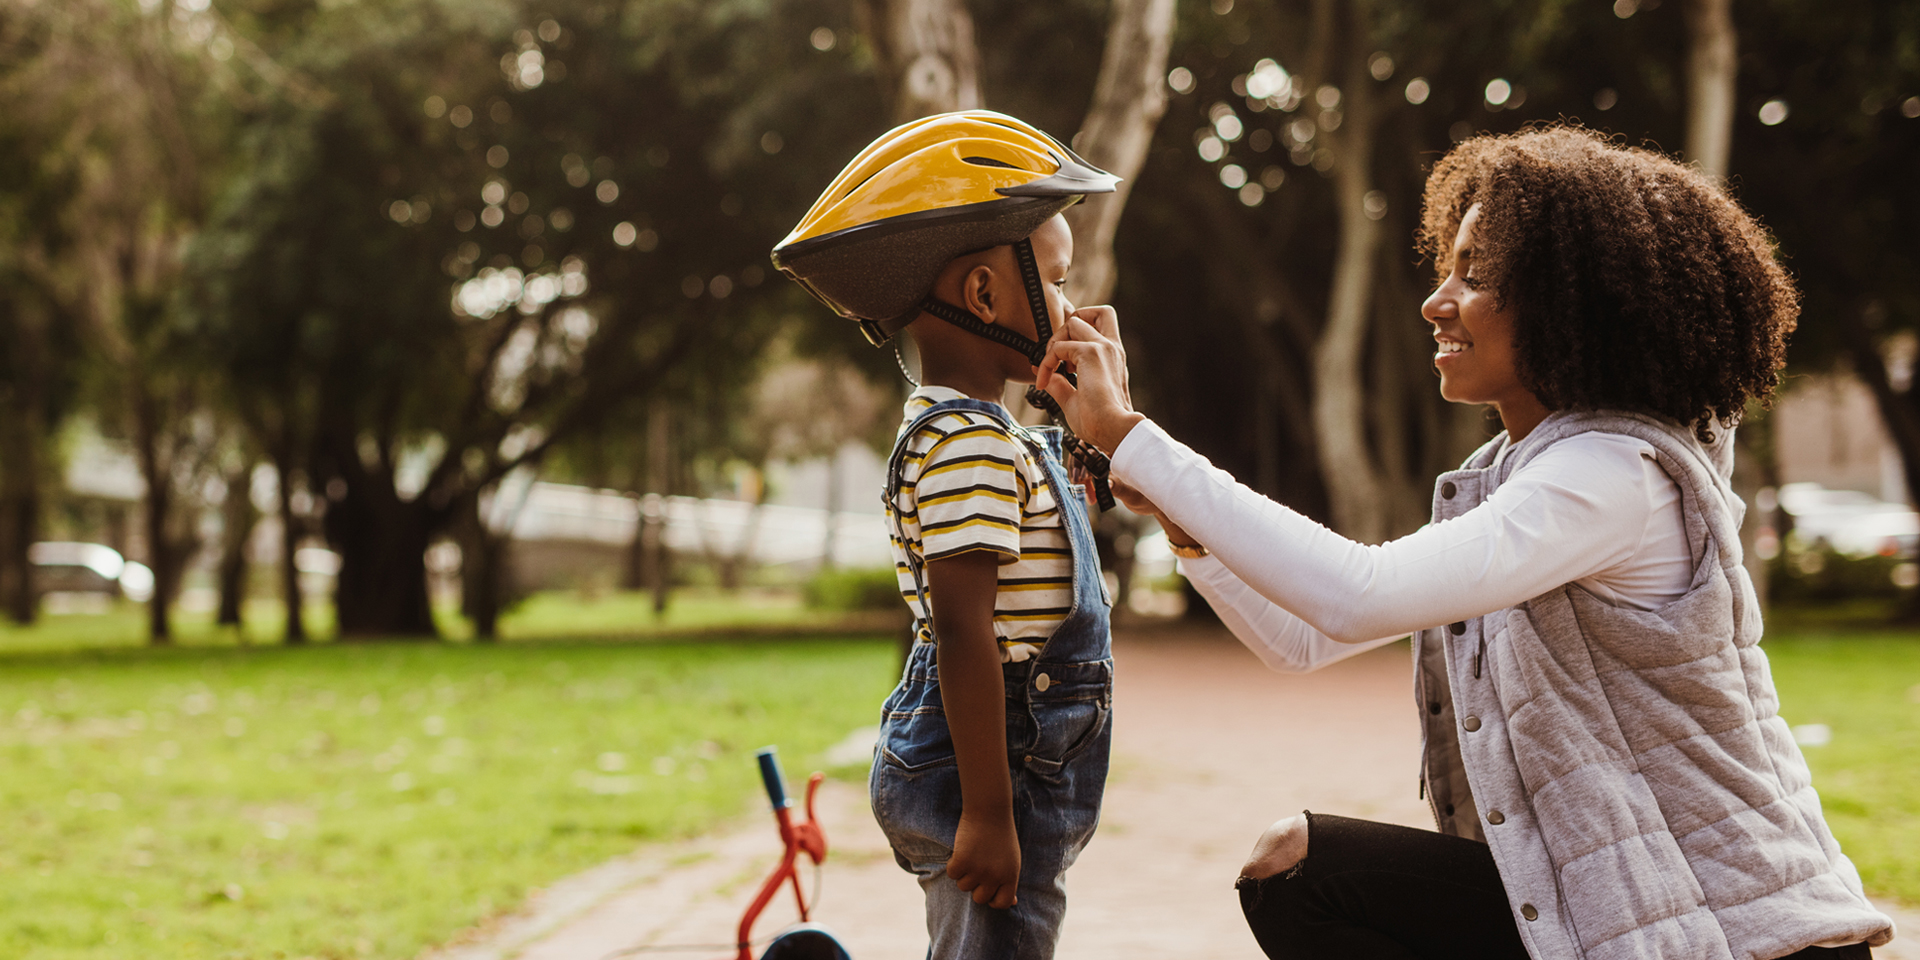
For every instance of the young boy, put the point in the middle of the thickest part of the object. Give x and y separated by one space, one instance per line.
993 748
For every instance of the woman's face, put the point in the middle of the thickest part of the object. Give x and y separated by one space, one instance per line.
1474 337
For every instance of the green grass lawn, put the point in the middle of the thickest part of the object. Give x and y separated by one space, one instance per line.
348 801
1866 687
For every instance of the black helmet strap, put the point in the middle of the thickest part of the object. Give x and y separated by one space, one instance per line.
1091 459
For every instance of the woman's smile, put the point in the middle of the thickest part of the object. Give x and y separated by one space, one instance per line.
1445 348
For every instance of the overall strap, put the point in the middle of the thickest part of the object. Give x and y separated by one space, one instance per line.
891 498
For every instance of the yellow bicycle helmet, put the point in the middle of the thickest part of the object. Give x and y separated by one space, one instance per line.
924 193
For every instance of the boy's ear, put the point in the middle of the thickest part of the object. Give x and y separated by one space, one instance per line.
976 293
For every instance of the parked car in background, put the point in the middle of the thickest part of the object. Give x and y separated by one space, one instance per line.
1849 522
86 577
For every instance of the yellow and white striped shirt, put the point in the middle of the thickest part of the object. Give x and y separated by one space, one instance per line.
967 484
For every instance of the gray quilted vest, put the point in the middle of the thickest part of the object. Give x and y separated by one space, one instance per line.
1629 769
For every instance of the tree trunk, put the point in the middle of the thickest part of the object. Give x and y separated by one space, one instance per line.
19 505
238 516
1129 99
925 55
289 545
156 470
382 589
1356 490
1712 65
653 513
1712 68
483 563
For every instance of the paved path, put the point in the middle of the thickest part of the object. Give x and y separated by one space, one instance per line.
1209 748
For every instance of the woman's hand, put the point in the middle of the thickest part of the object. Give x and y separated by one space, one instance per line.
1099 409
1133 499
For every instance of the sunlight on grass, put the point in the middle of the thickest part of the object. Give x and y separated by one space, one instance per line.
369 800
1866 688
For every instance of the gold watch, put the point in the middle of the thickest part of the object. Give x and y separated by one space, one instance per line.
1183 551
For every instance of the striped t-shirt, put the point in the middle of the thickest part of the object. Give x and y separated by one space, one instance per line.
967 484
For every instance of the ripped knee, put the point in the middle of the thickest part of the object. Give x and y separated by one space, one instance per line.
1282 848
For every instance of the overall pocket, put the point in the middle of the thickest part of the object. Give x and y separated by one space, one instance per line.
914 734
1066 728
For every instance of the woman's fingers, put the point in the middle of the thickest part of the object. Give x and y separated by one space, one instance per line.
1102 318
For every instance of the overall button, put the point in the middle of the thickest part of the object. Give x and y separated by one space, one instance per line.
1527 910
1496 818
1471 723
1449 810
1458 627
1042 682
1447 490
1434 708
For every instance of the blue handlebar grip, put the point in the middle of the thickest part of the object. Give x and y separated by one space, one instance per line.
770 775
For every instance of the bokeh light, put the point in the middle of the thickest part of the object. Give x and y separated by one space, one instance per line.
1773 112
1418 90
1374 204
1498 92
1180 79
822 39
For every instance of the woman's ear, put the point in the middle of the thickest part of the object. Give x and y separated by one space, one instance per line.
976 293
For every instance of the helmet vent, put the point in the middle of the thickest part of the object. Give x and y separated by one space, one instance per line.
989 162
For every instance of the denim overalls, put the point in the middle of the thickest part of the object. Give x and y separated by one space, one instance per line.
1058 734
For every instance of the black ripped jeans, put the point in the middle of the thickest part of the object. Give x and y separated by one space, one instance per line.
1388 892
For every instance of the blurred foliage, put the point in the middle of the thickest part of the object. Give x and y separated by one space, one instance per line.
1816 573
402 248
872 589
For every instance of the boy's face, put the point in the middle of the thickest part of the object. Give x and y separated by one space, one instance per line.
1053 254
989 285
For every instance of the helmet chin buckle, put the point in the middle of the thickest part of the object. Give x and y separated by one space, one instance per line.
875 334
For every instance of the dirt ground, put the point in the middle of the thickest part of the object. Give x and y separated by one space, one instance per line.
1209 748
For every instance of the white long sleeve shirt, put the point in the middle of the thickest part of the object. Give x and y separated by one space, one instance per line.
1594 509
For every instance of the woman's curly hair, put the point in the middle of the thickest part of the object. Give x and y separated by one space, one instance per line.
1635 282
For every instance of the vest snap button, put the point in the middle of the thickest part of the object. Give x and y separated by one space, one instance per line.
1471 723
1447 490
1496 818
1042 682
1449 810
1434 708
1458 627
1527 910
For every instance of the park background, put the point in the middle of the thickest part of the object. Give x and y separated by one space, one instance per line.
416 486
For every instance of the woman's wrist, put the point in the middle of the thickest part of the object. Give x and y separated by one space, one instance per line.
1111 435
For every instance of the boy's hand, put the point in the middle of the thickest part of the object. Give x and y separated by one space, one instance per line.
986 860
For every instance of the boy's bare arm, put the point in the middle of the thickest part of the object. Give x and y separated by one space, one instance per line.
986 850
